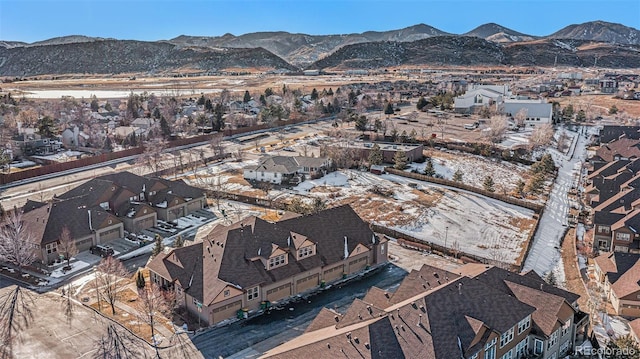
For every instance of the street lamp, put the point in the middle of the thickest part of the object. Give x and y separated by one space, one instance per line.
446 232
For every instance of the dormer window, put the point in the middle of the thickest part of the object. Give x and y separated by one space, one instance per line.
142 196
277 261
104 205
305 252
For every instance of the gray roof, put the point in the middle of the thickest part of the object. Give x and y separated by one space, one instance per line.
277 164
534 109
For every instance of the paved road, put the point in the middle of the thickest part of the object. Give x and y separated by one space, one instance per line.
545 252
248 339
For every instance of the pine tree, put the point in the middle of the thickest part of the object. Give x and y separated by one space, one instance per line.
179 242
388 110
550 278
375 156
159 247
548 164
400 160
164 127
314 94
247 97
263 100
422 102
488 184
535 183
140 283
108 145
428 168
457 176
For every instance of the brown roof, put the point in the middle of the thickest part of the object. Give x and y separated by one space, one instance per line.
325 318
378 297
624 147
628 282
635 327
547 306
359 311
606 263
424 279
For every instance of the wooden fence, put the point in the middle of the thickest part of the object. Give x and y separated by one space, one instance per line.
537 208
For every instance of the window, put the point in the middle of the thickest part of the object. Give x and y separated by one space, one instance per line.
506 337
262 174
382 249
52 247
564 347
490 349
253 293
142 196
565 328
521 348
552 340
537 346
623 236
603 229
276 261
524 324
305 251
227 292
507 355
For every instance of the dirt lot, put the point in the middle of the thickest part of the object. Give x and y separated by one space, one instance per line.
599 105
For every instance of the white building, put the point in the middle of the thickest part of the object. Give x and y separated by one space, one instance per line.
537 112
282 169
475 99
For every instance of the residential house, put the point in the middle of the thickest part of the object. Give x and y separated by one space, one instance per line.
618 274
241 267
101 210
473 100
608 86
284 169
611 133
480 312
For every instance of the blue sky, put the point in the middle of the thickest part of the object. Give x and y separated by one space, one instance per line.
34 20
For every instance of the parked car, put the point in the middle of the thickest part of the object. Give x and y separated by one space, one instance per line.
471 126
289 149
102 250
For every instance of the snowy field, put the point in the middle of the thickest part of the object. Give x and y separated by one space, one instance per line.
475 224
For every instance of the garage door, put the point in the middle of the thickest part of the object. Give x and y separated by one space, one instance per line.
194 206
225 312
109 235
144 223
84 244
278 293
357 264
332 274
307 283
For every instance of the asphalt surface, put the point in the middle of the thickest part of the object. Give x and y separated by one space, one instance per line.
252 337
544 255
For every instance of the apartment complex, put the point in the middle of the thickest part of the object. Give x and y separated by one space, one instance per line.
481 312
241 267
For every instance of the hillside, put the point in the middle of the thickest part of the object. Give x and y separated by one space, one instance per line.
452 50
120 56
440 50
599 31
302 49
497 33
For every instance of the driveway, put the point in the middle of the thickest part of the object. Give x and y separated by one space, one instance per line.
544 255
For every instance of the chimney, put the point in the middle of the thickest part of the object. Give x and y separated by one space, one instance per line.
373 239
289 241
346 249
460 288
419 320
90 226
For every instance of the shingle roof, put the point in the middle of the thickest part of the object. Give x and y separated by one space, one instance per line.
462 314
611 133
277 164
624 147
325 318
547 306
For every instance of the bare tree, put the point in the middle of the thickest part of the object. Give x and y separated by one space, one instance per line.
520 116
151 304
17 244
216 145
152 155
541 136
239 155
109 273
67 302
67 245
497 129
118 344
16 314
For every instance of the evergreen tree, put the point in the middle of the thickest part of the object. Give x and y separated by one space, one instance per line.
314 94
567 112
263 100
95 106
388 110
268 92
156 113
217 123
400 160
179 242
108 107
361 123
375 156
284 89
488 184
134 139
140 282
108 145
550 278
536 182
422 102
548 164
47 127
159 247
413 136
457 176
201 100
581 116
428 168
164 127
613 110
330 92
247 97
208 105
